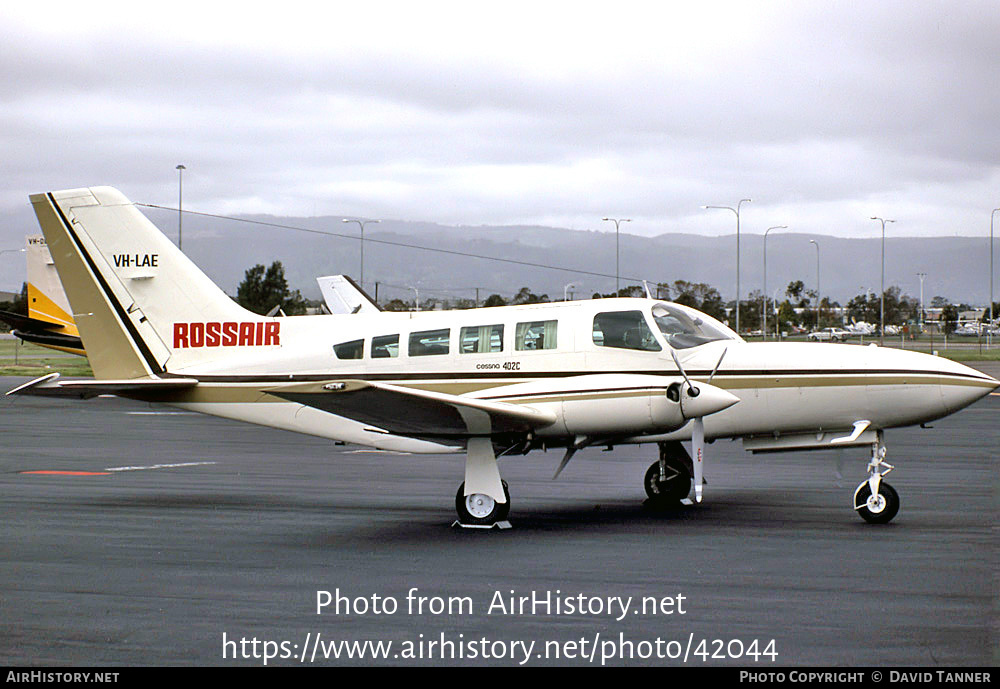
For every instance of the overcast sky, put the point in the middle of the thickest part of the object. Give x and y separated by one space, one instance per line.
823 113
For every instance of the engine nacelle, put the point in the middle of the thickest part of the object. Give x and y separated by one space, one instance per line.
618 411
601 404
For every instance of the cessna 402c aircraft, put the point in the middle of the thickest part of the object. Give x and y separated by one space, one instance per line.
486 382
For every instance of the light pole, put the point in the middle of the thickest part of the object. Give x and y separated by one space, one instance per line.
763 328
566 290
616 221
737 212
921 276
777 310
819 295
361 224
180 205
881 334
774 305
989 330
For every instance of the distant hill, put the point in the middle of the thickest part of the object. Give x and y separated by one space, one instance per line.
956 267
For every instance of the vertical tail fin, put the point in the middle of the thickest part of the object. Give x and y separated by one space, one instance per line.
130 289
343 295
46 297
48 322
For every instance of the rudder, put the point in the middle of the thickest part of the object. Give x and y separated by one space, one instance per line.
130 288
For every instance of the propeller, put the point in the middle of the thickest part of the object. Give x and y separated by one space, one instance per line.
717 364
698 445
693 391
701 401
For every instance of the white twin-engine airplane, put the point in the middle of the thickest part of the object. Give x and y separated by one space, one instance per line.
489 382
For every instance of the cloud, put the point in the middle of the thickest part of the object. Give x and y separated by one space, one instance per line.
823 113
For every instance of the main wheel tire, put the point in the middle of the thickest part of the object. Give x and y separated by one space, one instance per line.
882 509
668 492
480 509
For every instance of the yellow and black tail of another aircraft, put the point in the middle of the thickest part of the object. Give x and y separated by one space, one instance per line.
49 322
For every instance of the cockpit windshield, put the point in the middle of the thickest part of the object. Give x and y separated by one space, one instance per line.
683 329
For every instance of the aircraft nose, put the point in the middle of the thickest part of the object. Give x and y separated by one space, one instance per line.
708 400
957 385
966 386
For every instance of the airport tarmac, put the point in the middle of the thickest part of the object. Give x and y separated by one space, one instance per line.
188 537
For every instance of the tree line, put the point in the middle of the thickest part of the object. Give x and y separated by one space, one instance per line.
263 290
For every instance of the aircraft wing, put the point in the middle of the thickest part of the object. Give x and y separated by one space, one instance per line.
413 412
51 386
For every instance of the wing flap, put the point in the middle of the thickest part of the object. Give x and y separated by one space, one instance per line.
410 411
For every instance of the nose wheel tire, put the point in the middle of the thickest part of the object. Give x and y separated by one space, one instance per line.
481 509
667 490
880 508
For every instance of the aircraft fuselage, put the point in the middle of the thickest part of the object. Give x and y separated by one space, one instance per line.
782 387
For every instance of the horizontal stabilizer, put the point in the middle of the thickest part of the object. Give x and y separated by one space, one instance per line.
64 343
51 386
410 411
28 324
44 333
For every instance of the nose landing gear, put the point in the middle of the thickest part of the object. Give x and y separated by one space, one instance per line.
668 480
875 500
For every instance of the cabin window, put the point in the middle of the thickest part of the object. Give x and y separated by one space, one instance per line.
481 339
385 347
624 330
535 335
355 349
429 342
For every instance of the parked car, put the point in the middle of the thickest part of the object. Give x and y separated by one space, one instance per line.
829 335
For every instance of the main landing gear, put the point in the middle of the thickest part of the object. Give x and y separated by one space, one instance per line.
875 500
668 480
483 506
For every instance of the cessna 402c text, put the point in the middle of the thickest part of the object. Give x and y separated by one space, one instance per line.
487 382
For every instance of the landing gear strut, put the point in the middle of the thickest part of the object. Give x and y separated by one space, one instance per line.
668 480
875 500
